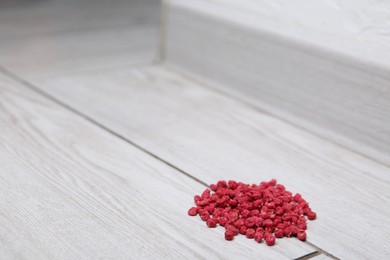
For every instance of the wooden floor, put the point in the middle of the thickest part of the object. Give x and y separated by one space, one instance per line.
102 149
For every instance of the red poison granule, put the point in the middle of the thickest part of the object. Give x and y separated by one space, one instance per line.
266 211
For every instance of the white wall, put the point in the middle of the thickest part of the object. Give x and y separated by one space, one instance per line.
304 68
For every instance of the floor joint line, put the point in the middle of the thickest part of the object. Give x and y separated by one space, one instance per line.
321 250
91 120
308 256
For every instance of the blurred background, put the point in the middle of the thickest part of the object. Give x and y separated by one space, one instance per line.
42 37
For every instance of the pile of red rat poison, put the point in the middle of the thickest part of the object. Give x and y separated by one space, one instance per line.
260 211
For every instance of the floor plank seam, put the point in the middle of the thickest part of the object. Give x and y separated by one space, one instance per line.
207 86
94 122
321 251
309 256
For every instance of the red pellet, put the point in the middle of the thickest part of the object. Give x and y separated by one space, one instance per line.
249 222
279 233
250 233
193 211
258 237
197 198
232 184
243 230
245 213
212 222
302 225
294 230
234 229
258 221
287 232
277 221
210 208
223 221
239 223
297 197
281 225
206 194
233 203
221 184
205 215
302 235
311 215
270 240
268 223
229 235
233 217
272 182
266 210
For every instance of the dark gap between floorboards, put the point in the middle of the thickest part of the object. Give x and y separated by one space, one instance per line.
308 256
91 120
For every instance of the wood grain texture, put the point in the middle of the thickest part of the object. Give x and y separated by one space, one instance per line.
214 137
69 190
331 86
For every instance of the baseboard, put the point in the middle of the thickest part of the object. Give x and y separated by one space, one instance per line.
338 92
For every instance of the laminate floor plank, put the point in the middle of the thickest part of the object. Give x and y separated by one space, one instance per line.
71 190
212 137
